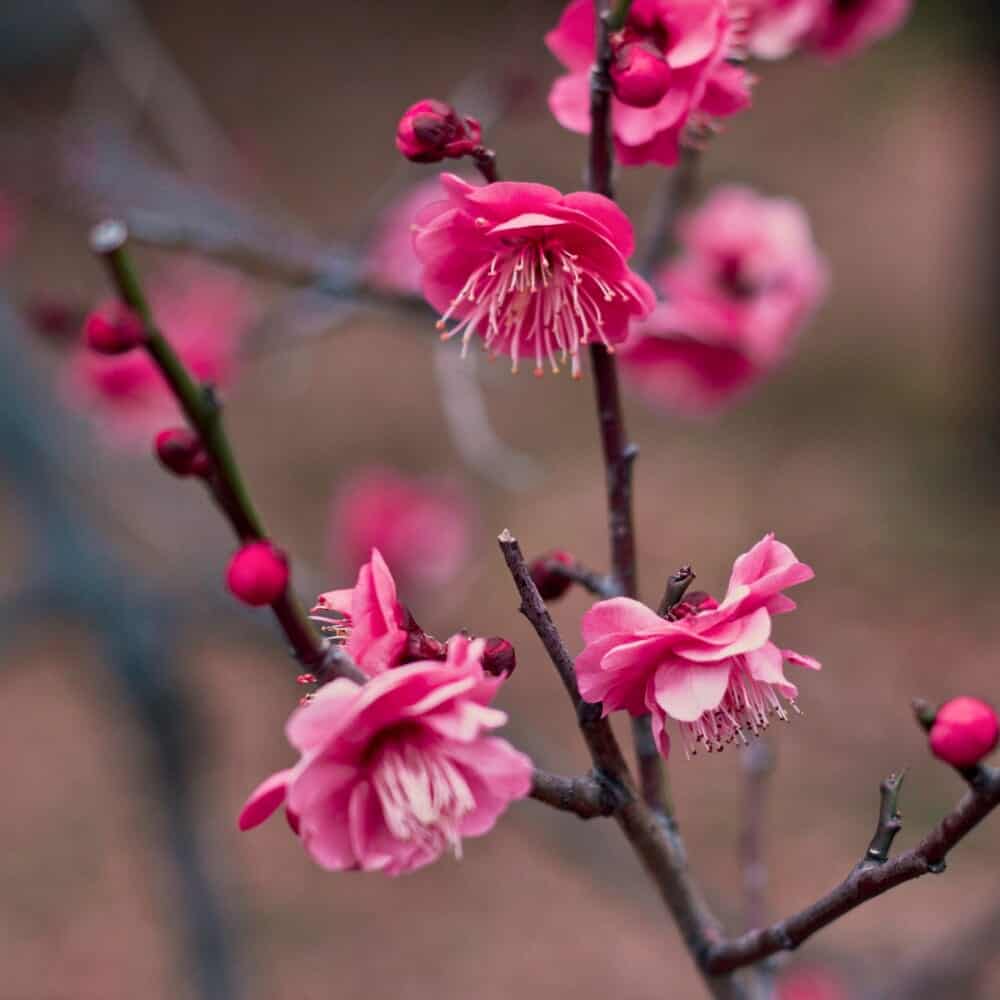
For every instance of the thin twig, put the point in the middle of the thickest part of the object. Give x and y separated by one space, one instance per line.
890 822
863 884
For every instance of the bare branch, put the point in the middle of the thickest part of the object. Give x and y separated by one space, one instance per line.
587 796
890 822
758 764
864 883
598 584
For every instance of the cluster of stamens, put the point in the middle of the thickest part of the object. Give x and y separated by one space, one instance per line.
534 298
743 714
422 794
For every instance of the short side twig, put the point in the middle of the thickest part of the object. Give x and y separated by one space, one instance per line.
890 822
587 796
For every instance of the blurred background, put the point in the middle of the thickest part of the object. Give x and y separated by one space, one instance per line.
139 704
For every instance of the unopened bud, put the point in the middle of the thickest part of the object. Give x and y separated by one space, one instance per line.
430 131
421 645
545 574
964 731
56 320
113 329
640 76
258 574
177 448
499 658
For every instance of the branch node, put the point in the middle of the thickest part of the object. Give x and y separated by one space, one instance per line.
890 822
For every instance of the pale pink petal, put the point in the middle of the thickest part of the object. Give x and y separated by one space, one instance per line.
685 692
621 614
800 660
264 800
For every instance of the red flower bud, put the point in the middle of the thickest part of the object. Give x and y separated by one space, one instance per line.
113 329
499 658
177 448
431 130
550 582
640 76
964 731
421 645
258 574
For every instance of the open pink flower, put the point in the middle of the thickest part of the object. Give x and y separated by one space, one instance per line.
533 272
203 312
396 771
834 28
711 667
369 617
422 526
748 278
694 37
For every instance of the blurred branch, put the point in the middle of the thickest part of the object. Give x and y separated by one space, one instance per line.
677 188
474 438
598 584
74 573
757 764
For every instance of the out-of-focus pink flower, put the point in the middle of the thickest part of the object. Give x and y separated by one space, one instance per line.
711 667
533 272
748 278
374 621
845 27
203 312
964 731
423 527
776 28
390 260
834 28
694 38
811 984
396 771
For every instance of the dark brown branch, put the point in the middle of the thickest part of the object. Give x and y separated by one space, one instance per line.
587 796
890 822
604 749
863 884
598 584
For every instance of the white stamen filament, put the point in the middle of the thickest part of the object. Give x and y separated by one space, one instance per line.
536 299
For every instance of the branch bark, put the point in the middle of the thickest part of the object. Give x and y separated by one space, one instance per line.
866 882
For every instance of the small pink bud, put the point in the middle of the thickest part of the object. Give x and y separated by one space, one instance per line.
113 329
499 658
551 584
177 448
430 131
640 75
258 574
964 731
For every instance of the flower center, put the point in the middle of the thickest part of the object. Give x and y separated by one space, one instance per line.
533 298
744 713
422 793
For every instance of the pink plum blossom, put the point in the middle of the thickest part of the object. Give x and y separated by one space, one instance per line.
423 527
834 28
747 279
533 272
203 312
694 37
710 667
396 771
369 616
